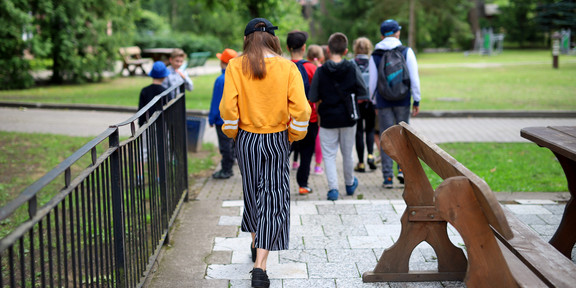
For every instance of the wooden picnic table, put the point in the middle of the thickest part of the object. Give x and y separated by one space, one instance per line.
561 140
158 54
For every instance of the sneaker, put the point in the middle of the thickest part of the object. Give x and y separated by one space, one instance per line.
351 188
371 162
400 176
305 190
333 195
222 175
253 250
388 183
360 168
260 278
318 170
295 166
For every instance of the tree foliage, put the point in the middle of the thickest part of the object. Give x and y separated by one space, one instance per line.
14 73
83 36
557 15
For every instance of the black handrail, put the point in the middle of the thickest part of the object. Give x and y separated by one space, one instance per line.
106 226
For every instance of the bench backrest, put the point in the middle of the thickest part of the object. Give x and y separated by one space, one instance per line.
130 53
413 146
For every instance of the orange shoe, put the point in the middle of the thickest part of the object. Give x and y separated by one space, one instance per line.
304 190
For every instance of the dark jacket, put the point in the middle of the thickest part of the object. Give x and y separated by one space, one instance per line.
146 95
328 79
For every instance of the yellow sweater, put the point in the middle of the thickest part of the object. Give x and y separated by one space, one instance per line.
268 105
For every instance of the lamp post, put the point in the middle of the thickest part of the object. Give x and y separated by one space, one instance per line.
555 49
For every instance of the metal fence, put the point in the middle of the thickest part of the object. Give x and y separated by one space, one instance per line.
106 226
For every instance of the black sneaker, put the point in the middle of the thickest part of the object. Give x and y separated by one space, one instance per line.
371 162
400 176
260 278
222 175
360 168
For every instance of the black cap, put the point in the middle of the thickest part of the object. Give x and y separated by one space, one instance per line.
251 26
296 39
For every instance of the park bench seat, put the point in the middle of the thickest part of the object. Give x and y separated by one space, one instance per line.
132 60
501 250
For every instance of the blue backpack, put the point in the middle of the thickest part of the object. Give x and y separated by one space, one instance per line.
393 76
300 65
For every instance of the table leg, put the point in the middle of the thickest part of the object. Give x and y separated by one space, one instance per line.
565 236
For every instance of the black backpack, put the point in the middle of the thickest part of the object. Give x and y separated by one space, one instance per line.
393 76
300 65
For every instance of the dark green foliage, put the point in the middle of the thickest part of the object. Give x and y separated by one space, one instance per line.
555 16
15 69
80 37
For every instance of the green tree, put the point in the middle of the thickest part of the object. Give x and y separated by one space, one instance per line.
434 23
556 15
82 36
15 26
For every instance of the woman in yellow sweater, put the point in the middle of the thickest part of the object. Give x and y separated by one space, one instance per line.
264 109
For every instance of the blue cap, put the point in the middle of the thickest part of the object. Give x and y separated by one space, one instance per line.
159 70
389 27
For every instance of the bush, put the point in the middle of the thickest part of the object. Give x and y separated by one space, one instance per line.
15 74
187 42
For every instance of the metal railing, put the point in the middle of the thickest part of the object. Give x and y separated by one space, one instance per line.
105 227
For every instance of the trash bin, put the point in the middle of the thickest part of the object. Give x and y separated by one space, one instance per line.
195 130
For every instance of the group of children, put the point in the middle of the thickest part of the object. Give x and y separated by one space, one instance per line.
311 58
265 107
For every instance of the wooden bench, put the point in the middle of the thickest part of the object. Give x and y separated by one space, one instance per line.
501 250
132 59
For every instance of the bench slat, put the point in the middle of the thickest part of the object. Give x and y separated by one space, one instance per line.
539 256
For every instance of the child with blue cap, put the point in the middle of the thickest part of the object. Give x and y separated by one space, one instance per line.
159 73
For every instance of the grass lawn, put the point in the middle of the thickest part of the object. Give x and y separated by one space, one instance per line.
25 157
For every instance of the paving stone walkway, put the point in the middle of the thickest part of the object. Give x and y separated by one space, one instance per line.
331 243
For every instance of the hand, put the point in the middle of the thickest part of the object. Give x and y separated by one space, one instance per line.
415 110
181 74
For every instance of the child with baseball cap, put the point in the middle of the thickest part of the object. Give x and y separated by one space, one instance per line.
158 73
225 144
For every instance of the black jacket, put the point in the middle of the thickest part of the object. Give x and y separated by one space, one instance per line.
328 79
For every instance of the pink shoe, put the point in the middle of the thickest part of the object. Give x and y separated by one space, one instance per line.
318 170
295 166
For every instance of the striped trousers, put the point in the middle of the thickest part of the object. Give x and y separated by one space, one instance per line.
263 160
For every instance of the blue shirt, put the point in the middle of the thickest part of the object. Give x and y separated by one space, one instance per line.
214 115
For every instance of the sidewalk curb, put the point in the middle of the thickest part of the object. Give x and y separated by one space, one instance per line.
423 114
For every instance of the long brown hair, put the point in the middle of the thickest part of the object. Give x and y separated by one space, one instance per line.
253 63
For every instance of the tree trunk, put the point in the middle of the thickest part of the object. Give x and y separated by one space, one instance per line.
474 20
412 28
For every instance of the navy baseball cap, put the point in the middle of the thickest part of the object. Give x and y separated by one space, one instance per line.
251 26
389 27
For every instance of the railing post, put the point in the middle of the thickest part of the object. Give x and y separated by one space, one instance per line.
117 212
161 138
184 144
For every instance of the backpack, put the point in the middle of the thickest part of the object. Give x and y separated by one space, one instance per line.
300 65
363 66
393 76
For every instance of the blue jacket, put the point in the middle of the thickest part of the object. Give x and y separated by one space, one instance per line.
214 115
